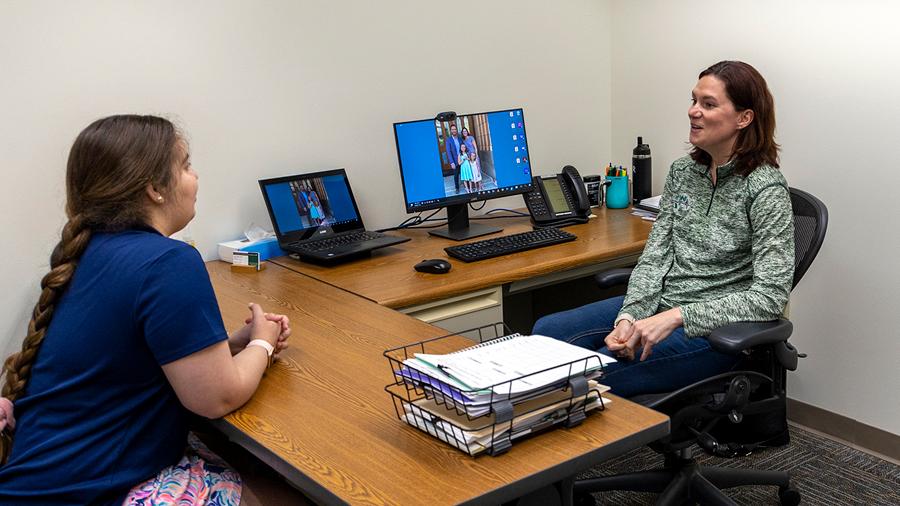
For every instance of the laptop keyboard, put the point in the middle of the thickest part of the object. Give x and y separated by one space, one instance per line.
338 240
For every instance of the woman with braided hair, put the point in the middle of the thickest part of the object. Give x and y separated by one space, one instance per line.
126 339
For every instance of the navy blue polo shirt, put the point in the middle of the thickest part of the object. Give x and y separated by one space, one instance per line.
98 416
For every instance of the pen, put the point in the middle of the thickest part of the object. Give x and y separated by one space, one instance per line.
446 370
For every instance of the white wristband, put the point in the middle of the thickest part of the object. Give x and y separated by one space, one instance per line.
264 345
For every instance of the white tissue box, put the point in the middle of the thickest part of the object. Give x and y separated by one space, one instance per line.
267 248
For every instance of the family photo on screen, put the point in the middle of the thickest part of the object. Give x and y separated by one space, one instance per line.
312 203
466 155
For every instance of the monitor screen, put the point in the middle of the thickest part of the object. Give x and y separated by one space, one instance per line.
474 157
305 204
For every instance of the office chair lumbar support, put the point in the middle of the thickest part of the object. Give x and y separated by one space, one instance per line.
700 409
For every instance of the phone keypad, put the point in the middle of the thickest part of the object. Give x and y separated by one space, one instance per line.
535 203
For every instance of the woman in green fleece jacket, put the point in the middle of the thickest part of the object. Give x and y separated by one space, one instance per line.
721 250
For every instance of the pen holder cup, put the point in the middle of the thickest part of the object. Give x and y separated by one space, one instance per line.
617 192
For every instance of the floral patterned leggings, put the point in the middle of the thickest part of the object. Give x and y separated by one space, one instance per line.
200 478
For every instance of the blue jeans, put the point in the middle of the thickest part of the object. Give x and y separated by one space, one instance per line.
676 362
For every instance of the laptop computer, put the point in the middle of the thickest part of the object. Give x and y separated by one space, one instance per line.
315 216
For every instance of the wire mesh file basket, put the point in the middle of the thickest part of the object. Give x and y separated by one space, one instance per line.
451 391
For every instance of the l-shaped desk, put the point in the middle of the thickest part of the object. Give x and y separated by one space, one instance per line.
321 417
473 294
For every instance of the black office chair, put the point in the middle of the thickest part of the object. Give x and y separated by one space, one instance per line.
698 411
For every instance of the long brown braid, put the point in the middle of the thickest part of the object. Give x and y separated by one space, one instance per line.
110 165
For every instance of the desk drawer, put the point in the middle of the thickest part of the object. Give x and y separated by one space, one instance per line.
461 312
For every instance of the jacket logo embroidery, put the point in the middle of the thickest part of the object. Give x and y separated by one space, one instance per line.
681 203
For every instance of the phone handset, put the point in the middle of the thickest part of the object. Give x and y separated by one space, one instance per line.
579 191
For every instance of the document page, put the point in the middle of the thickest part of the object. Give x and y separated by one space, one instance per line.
530 358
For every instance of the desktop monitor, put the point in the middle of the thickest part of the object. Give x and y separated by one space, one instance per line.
448 163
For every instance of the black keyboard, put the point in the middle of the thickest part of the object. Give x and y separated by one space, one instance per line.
490 248
338 240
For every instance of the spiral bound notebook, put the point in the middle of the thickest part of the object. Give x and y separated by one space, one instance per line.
510 365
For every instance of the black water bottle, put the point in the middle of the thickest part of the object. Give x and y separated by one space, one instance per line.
641 172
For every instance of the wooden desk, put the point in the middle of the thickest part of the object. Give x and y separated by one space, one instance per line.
321 417
388 278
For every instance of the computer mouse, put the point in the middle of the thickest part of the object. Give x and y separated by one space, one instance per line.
433 266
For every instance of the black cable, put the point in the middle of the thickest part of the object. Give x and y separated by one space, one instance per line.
483 203
475 218
563 223
417 221
413 221
443 221
512 211
439 225
513 214
404 224
410 221
428 218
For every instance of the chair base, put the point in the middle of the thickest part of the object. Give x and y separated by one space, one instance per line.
685 481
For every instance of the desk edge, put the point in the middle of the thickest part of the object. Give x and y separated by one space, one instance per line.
303 483
504 493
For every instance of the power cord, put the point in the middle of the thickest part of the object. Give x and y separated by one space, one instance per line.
512 214
411 222
417 221
563 223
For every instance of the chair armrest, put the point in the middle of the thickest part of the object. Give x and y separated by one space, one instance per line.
737 337
613 277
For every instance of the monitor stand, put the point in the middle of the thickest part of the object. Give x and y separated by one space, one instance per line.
458 226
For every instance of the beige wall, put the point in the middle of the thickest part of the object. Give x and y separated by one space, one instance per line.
278 87
833 69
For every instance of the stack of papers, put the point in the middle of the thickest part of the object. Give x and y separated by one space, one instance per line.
530 374
476 436
652 202
513 367
648 208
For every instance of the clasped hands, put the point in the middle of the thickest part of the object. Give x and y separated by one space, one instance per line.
6 414
627 337
275 328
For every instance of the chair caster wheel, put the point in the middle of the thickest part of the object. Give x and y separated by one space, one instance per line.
583 499
789 496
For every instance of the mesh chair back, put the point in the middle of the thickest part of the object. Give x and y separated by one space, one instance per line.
810 223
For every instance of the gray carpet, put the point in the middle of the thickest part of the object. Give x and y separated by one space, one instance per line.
824 471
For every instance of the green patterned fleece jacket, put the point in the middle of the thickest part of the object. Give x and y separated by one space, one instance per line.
723 253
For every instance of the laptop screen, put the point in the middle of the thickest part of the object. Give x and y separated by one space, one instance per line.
308 205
